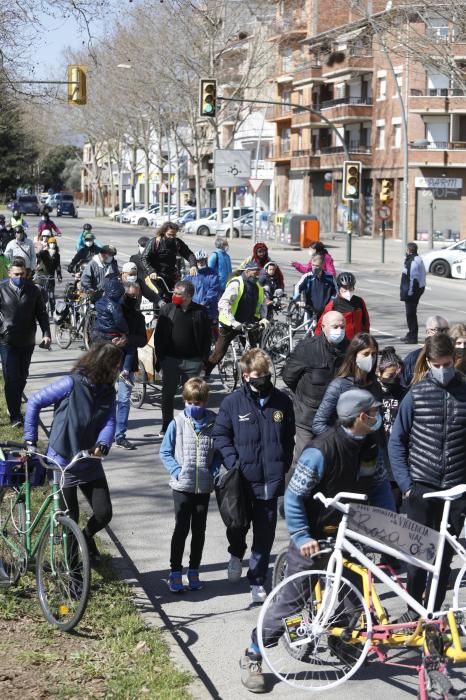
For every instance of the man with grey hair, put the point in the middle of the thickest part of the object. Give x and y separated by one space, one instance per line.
182 344
434 325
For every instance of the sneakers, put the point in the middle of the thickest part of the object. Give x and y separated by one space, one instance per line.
193 580
175 582
125 444
125 378
163 430
17 422
258 594
252 677
235 569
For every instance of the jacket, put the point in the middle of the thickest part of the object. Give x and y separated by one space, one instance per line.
48 226
201 329
160 256
110 318
258 438
409 364
207 290
81 238
317 291
146 291
262 261
327 266
229 304
326 415
428 440
269 283
220 262
136 328
308 371
20 312
355 313
413 278
22 249
187 452
6 235
96 272
49 264
82 257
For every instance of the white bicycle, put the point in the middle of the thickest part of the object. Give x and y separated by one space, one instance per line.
316 627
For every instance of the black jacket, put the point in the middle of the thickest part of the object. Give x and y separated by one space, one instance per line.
201 328
136 326
19 314
6 235
49 264
146 291
308 371
82 257
160 256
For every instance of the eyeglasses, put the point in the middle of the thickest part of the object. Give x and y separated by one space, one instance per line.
439 330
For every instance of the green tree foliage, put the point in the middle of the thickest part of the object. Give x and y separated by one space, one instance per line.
17 151
54 167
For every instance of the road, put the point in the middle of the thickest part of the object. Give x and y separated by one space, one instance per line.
211 627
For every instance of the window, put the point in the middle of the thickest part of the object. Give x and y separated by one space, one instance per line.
380 137
437 84
287 59
437 28
396 135
285 137
381 88
399 80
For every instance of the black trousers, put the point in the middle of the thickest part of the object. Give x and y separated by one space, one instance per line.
98 497
15 368
411 305
429 512
190 513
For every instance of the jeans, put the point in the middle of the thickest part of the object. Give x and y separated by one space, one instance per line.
15 368
175 370
129 357
264 522
190 513
122 407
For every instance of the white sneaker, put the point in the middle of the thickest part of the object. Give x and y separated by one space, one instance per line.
235 569
258 594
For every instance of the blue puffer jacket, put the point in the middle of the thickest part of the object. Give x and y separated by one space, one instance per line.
207 290
220 262
326 416
260 439
110 317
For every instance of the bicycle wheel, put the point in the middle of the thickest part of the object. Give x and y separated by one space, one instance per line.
13 557
87 328
279 567
277 344
295 313
459 598
63 574
291 617
228 370
138 392
63 336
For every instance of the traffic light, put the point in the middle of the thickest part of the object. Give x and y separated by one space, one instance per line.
207 98
77 94
386 191
351 179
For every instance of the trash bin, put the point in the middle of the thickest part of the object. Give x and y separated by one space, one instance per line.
310 232
293 236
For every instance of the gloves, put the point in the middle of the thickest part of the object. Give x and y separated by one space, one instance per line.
265 323
237 326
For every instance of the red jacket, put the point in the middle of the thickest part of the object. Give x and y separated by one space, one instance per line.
355 313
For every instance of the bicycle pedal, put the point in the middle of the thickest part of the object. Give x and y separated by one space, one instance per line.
434 640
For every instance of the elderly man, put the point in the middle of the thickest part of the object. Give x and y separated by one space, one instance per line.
103 266
310 368
182 344
434 325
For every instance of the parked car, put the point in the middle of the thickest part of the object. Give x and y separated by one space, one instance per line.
141 217
458 270
242 227
28 204
208 225
190 215
158 219
439 261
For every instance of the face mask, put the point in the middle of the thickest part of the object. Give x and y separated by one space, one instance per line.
141 249
18 281
132 278
177 299
20 236
52 248
336 335
365 362
442 375
347 295
130 301
88 244
460 353
226 249
108 259
261 385
194 412
391 382
377 424
253 279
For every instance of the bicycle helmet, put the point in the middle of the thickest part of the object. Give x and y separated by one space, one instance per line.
346 279
201 255
52 239
87 227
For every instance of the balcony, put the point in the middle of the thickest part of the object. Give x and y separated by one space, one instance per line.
307 73
333 156
438 153
347 109
281 152
304 160
437 101
354 61
283 28
301 117
277 113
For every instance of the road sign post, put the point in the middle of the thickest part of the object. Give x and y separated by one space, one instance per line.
255 184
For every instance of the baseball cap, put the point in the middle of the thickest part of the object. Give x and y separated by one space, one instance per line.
129 267
89 236
252 265
143 241
108 250
356 401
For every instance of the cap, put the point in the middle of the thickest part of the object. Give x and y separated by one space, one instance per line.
252 265
129 267
143 241
89 237
108 250
356 401
52 239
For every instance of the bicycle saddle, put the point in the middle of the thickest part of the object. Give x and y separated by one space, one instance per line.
448 495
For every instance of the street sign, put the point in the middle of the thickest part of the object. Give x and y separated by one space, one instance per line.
384 212
163 188
232 168
255 184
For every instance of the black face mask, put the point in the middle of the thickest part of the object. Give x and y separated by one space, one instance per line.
130 302
261 385
391 382
460 353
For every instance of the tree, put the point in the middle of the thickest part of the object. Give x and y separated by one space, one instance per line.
17 152
54 163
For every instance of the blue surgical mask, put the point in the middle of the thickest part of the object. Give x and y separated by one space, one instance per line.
132 278
336 335
17 281
194 412
377 424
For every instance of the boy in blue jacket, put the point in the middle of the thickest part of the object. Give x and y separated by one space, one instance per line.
206 286
254 431
188 454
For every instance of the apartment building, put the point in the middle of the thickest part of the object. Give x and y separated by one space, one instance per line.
344 61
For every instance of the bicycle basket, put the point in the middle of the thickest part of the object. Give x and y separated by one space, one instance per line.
62 311
71 293
13 472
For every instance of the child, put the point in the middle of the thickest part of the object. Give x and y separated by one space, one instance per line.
271 281
188 454
111 324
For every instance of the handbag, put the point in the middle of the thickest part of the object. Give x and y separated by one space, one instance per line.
234 499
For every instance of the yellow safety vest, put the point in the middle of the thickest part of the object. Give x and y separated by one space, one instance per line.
234 306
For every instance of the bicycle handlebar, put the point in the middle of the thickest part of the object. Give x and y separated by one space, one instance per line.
335 501
31 451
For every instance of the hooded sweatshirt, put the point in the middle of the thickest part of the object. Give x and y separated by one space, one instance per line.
262 262
110 319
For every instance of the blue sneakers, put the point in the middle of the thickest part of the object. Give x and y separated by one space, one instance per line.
175 582
193 580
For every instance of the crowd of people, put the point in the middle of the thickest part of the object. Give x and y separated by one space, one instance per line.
352 417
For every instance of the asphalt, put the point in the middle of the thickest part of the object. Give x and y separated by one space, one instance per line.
209 629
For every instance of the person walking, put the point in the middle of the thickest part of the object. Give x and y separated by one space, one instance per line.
220 262
328 265
316 287
83 419
412 287
427 450
188 454
147 292
160 259
254 431
21 308
434 325
182 344
22 247
101 267
49 266
352 307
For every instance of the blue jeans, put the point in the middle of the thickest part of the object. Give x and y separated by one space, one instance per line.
122 407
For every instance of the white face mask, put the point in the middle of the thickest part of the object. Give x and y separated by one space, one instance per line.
336 335
52 247
347 295
88 244
132 278
141 249
107 259
365 362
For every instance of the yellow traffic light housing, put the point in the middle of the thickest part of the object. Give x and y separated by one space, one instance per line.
351 179
208 98
77 92
386 191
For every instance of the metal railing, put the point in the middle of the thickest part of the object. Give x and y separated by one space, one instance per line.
346 101
439 145
438 92
353 147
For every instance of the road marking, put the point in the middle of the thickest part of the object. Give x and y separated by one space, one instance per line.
390 284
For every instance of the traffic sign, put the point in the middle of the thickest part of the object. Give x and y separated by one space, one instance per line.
255 184
163 188
232 167
384 212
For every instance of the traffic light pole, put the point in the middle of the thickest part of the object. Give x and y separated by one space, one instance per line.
349 231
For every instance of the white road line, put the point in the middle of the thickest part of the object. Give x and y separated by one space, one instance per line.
422 303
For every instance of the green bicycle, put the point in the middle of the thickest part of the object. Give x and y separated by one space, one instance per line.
59 551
